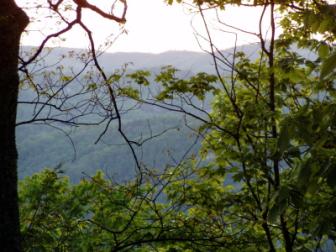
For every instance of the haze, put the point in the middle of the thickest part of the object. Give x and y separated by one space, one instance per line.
152 26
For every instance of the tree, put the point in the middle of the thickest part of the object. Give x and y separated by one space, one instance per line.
271 129
265 176
13 21
100 215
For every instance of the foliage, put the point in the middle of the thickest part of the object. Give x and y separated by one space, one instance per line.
99 215
92 215
272 129
264 178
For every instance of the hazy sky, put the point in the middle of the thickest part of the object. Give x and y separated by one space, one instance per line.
151 26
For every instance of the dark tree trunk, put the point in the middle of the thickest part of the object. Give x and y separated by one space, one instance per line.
12 22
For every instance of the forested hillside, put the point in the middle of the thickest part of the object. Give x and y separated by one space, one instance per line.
165 135
75 150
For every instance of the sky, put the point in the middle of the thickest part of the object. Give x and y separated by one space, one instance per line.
152 26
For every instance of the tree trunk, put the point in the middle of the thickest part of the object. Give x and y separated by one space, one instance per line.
12 23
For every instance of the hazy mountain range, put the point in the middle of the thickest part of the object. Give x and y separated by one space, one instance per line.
42 146
183 60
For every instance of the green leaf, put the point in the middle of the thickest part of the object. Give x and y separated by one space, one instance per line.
140 77
328 66
66 78
284 138
326 25
280 203
323 51
129 92
91 86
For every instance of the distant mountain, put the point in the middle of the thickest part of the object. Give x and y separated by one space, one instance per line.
41 146
183 60
166 141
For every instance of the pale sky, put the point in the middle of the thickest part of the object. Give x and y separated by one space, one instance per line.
152 26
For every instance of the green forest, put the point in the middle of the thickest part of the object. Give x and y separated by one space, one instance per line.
225 150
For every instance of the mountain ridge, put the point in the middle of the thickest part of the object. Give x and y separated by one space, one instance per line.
183 60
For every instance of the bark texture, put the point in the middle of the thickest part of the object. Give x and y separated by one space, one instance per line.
13 20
